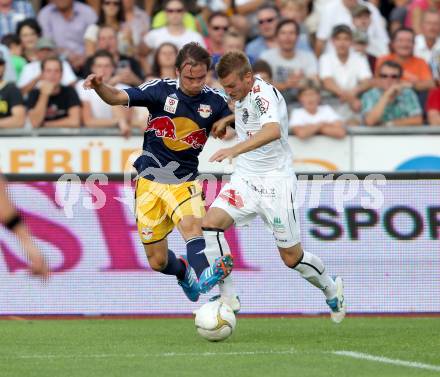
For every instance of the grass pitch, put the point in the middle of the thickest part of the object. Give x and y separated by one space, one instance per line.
377 347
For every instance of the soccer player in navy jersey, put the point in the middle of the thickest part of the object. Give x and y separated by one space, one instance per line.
182 114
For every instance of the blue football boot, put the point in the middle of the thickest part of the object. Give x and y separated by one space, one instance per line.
189 284
210 277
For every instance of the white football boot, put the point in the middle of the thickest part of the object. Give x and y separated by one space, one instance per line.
337 304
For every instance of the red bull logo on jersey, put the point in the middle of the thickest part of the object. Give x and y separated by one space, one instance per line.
147 233
162 127
204 111
196 139
178 134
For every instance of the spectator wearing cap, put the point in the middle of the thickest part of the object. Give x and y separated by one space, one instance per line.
345 74
12 110
31 73
360 45
391 102
427 44
95 112
415 70
338 12
65 22
312 118
53 104
362 22
289 65
11 13
267 19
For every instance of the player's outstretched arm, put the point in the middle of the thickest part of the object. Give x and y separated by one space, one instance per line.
269 133
109 94
11 219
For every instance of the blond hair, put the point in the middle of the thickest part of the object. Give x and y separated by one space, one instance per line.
233 61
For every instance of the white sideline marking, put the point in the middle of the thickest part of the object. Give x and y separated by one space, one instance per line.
386 360
145 355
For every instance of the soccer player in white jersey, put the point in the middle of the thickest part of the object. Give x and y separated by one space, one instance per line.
263 182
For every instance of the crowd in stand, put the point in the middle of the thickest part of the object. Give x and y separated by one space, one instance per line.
337 62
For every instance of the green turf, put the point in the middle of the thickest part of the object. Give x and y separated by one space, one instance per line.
259 347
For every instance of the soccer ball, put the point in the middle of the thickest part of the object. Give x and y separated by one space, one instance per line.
215 321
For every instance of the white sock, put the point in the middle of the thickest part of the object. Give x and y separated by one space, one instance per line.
312 269
216 246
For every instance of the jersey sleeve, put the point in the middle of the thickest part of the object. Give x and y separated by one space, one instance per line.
145 94
266 105
14 98
224 108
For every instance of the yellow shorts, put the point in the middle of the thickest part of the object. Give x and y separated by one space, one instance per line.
160 206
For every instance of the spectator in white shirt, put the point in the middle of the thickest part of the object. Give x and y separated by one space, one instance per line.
345 74
338 12
31 73
312 118
289 65
95 112
427 44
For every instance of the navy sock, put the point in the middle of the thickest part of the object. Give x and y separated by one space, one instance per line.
175 266
196 257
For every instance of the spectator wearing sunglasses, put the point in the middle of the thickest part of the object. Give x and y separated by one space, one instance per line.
267 19
174 32
218 25
392 102
111 14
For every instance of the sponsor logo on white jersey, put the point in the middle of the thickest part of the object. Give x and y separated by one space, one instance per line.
262 104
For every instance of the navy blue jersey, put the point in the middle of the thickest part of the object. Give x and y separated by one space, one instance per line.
177 129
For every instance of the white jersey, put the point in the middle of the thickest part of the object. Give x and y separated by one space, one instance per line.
263 104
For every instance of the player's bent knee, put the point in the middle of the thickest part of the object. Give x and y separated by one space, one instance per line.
190 227
291 256
217 218
157 264
157 255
